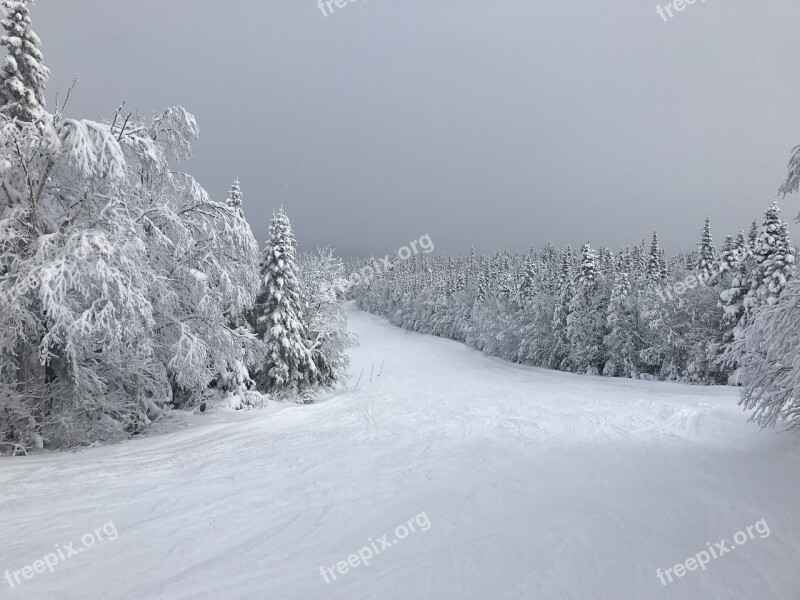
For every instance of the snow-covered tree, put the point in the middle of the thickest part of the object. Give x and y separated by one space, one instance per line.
771 357
771 363
774 258
235 197
118 275
706 253
280 316
621 339
735 283
560 355
586 320
23 76
324 285
655 270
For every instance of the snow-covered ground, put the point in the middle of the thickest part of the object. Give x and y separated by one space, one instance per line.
519 483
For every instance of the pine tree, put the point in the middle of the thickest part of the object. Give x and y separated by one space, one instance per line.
771 359
655 269
559 358
23 76
280 316
729 257
585 324
621 324
752 237
736 285
775 261
527 287
706 253
235 197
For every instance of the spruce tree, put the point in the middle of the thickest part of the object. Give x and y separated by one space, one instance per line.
586 319
706 253
23 76
235 197
736 285
775 260
655 270
280 316
752 237
729 256
621 325
559 358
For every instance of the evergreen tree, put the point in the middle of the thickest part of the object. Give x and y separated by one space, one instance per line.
771 359
280 316
752 237
775 261
23 76
706 253
587 319
621 325
655 270
235 197
729 257
559 358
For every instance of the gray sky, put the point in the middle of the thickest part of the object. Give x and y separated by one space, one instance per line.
503 123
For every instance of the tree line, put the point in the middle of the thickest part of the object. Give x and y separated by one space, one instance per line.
728 316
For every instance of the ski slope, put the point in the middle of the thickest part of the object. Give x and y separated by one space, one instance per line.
533 484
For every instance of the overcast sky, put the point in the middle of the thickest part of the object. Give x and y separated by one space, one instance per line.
503 123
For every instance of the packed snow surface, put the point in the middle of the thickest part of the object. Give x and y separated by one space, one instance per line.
517 482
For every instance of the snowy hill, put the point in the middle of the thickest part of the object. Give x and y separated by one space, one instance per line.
503 481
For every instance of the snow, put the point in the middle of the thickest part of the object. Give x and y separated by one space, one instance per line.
537 484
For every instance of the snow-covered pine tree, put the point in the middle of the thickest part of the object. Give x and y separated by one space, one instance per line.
235 197
559 358
280 318
729 257
775 261
655 273
23 76
771 360
752 237
586 321
742 250
735 280
528 284
706 253
621 338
